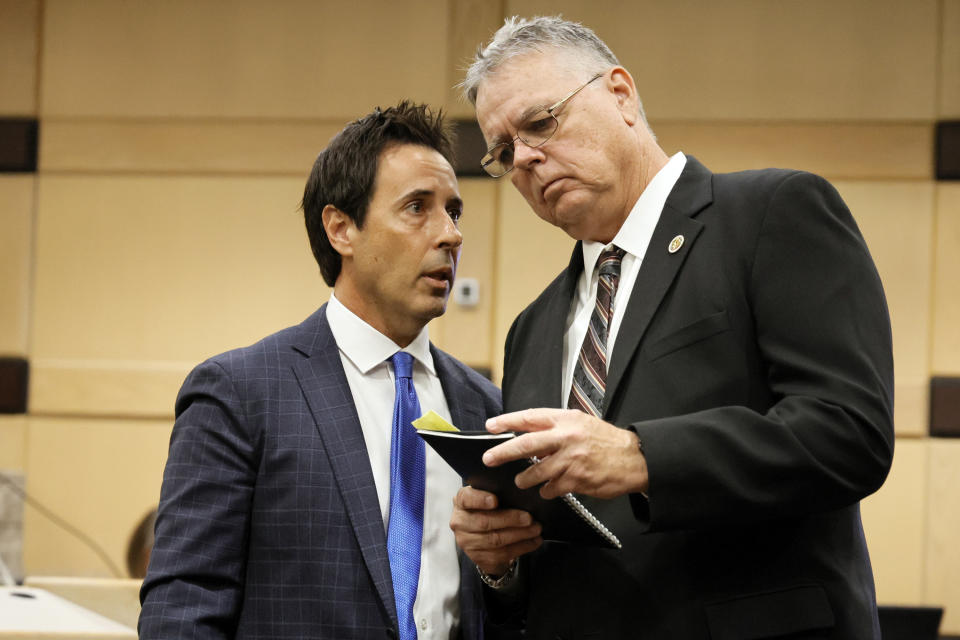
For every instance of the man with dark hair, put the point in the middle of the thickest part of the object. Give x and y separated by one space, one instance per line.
297 500
712 373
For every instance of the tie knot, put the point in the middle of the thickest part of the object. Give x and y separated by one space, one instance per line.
609 261
402 364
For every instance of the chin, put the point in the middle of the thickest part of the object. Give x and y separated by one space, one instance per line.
433 309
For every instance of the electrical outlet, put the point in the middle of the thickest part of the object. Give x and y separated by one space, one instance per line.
466 292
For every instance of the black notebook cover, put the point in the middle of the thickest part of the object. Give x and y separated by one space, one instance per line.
564 519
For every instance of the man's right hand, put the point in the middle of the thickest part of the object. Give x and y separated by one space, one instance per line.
492 538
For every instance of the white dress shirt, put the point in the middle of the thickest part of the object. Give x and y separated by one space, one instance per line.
633 237
365 354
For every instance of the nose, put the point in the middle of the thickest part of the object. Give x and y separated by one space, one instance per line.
448 236
524 155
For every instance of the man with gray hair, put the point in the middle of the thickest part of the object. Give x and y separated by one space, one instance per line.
712 373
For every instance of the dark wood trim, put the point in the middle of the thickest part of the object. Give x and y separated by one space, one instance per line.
18 145
909 622
945 407
947 148
468 148
14 378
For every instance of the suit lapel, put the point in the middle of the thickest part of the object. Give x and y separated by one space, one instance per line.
547 347
464 402
692 192
325 387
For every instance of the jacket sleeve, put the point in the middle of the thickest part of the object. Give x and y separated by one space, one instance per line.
823 333
194 584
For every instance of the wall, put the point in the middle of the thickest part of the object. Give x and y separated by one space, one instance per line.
161 224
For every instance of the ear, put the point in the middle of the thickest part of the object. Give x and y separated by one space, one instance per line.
339 227
621 85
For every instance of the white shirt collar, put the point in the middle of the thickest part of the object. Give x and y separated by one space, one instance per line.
634 234
365 346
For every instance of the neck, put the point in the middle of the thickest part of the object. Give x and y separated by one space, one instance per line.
402 331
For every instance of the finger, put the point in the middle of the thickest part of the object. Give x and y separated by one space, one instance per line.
481 522
528 445
473 499
526 420
498 539
549 469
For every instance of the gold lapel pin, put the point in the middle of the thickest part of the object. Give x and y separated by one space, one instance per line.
675 244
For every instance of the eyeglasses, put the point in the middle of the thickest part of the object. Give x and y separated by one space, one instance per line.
536 130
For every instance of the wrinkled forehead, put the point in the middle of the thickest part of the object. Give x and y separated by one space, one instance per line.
522 84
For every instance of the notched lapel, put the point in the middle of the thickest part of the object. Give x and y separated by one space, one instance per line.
660 267
324 385
464 402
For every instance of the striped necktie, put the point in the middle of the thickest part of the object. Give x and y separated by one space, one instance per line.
407 481
590 371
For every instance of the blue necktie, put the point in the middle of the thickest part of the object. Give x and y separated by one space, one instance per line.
407 471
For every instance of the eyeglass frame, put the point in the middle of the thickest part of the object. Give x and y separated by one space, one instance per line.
556 106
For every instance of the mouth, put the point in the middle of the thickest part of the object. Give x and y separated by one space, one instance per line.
439 278
550 187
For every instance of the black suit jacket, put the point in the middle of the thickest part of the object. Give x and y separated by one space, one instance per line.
269 523
755 366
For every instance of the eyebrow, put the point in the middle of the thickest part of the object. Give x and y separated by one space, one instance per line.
527 113
427 193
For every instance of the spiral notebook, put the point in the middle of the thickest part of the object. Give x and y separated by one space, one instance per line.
563 519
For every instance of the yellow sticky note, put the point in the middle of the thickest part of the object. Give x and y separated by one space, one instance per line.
430 421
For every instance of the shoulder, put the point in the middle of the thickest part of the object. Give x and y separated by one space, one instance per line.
262 360
765 185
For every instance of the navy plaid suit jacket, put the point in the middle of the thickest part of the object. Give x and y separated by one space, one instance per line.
269 524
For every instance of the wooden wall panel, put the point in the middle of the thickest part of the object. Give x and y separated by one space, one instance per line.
471 22
16 221
949 107
293 59
19 29
530 254
896 219
943 523
13 433
895 526
464 332
101 476
946 293
835 150
183 146
799 59
154 274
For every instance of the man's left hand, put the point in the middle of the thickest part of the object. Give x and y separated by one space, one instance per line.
578 453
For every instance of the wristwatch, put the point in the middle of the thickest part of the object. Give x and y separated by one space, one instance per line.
502 581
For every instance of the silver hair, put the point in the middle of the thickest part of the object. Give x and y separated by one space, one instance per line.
519 35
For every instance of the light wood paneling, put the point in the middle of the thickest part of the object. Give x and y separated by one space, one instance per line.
98 387
244 58
101 476
836 150
950 61
946 307
19 24
896 219
943 522
464 332
895 526
150 273
183 147
530 254
744 59
16 222
471 22
13 432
